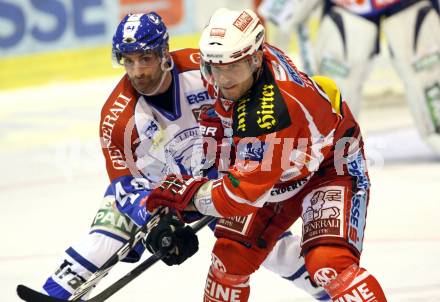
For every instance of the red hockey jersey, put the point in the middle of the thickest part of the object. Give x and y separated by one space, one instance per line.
285 130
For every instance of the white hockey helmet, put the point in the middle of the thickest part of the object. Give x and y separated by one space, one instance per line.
228 47
230 36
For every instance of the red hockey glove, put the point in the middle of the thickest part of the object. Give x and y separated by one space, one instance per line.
211 127
175 192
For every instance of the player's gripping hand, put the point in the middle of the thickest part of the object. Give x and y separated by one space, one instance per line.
170 235
175 192
211 127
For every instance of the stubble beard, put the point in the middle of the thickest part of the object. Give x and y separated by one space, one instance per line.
145 84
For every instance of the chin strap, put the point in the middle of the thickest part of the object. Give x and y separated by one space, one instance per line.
165 69
258 70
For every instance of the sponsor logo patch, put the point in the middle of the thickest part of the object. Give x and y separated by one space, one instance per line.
291 72
241 115
334 67
322 213
66 272
290 188
179 152
279 72
358 212
357 219
236 224
356 168
108 123
217 32
197 111
152 129
251 151
153 18
220 292
109 219
432 96
262 112
243 21
214 56
324 276
359 293
217 263
195 58
196 97
266 118
426 61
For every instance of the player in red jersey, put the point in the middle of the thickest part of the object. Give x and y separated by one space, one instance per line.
299 153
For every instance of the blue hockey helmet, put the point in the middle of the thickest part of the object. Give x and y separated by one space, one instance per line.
140 33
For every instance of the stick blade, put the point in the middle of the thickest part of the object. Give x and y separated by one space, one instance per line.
28 294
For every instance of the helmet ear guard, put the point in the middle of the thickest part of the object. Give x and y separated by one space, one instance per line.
166 60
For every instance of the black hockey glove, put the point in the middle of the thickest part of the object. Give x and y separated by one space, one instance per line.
170 235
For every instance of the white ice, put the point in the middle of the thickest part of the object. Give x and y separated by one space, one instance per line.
53 178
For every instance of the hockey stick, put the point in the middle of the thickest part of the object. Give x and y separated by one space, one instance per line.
30 295
89 284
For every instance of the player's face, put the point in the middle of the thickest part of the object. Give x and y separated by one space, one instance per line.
234 79
144 70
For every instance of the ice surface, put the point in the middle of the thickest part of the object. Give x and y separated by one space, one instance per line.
53 178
